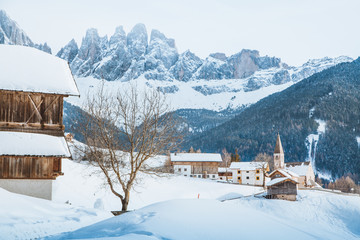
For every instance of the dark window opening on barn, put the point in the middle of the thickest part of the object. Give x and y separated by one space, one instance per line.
247 177
257 178
239 178
238 171
247 171
258 171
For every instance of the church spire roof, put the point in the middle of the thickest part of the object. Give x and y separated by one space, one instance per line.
278 146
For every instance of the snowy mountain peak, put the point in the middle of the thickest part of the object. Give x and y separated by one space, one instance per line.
119 37
137 41
11 33
69 52
219 56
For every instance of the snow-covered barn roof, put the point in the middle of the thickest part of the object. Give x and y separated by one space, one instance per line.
32 144
248 166
279 180
31 70
196 157
300 168
284 172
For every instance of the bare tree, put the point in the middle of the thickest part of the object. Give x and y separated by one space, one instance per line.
226 160
125 130
266 164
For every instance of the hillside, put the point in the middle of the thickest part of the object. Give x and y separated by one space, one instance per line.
318 119
247 218
159 205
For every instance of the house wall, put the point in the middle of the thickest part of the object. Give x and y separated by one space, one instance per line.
184 170
248 177
29 187
198 169
33 112
29 167
225 175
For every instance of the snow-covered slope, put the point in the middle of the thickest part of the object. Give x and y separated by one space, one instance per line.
23 217
314 216
88 189
165 203
215 95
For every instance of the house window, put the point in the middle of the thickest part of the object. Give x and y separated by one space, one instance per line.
257 171
185 175
247 177
238 171
247 171
208 176
257 178
179 169
239 178
213 176
185 169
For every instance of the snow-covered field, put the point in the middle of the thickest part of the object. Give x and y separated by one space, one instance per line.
169 208
23 217
81 187
315 216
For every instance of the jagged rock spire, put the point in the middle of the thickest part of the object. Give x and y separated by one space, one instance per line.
278 146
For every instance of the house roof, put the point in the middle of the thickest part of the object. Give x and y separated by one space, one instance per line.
248 166
300 168
30 70
195 157
32 144
280 180
284 172
278 146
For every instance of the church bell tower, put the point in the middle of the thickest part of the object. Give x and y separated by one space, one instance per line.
278 154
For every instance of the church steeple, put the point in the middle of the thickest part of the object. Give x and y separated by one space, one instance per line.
279 158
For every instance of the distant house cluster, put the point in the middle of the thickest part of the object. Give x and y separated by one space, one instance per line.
282 183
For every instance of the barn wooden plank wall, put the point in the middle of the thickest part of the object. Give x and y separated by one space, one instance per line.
201 167
287 187
29 167
22 110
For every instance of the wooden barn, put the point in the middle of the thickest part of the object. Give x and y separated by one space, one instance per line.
199 165
32 87
282 188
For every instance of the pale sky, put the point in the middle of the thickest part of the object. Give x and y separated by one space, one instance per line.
294 30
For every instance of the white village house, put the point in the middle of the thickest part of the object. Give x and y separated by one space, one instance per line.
249 173
199 165
32 87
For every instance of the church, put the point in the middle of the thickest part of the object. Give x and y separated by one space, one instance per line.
288 177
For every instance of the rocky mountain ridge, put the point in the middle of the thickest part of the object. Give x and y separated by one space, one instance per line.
126 57
11 33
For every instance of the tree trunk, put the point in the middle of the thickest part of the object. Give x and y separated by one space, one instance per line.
125 201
